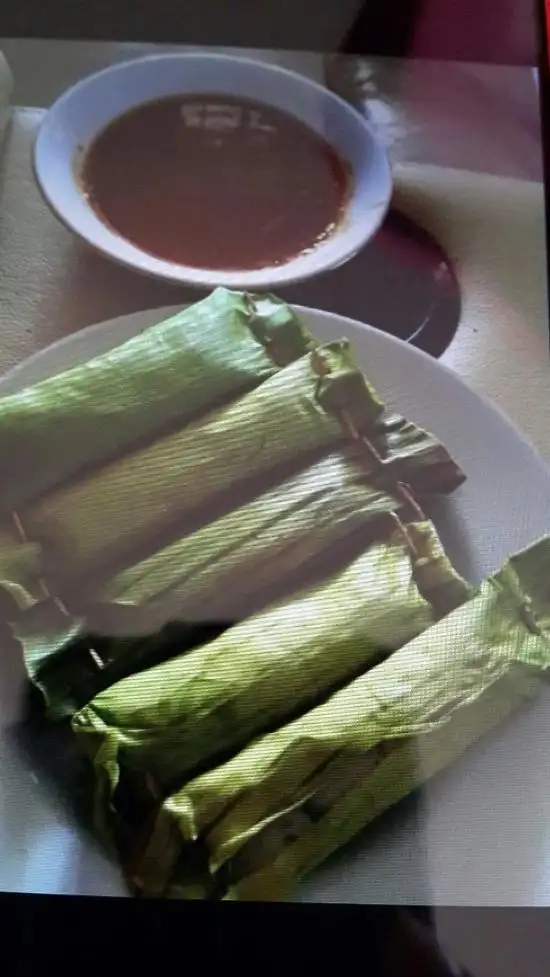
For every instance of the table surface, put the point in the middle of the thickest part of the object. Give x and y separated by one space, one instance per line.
479 191
472 116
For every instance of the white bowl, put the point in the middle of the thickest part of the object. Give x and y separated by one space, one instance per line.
83 111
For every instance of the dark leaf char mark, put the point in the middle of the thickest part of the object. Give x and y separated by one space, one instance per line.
135 802
92 663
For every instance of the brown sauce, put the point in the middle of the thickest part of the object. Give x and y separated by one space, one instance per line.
216 182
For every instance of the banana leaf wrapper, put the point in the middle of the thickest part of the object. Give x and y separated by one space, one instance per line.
155 727
95 527
96 523
276 810
205 575
21 567
227 569
210 352
204 579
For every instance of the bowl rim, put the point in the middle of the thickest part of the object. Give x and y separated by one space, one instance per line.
192 276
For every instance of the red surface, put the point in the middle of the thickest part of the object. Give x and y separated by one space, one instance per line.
497 31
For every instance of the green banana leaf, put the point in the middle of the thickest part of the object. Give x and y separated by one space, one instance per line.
217 348
20 573
227 569
100 520
98 524
161 724
411 455
204 578
209 573
276 810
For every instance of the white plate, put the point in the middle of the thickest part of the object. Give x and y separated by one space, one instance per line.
81 113
472 838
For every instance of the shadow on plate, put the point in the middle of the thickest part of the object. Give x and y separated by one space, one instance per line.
402 283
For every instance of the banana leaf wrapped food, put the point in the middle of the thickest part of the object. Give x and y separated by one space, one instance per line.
226 569
96 526
99 520
216 349
254 826
21 586
152 729
210 572
204 579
